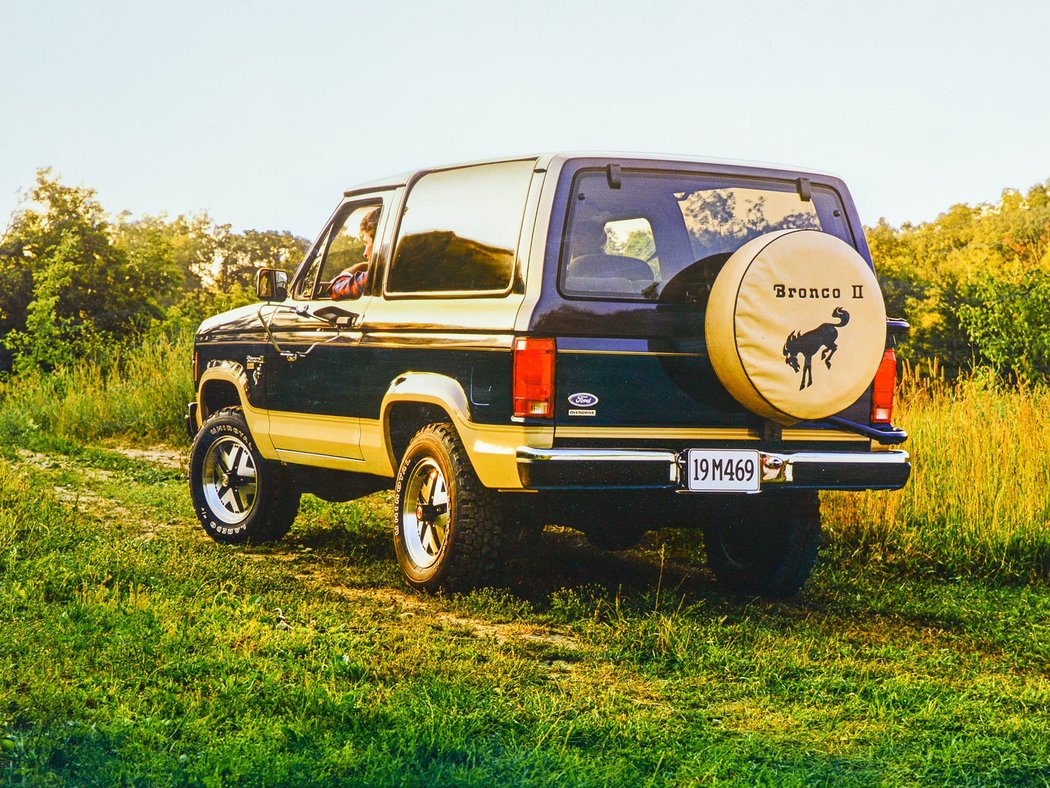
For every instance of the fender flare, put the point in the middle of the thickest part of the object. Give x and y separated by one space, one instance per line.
492 448
426 388
233 373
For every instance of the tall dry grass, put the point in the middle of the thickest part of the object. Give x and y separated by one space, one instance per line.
140 392
978 501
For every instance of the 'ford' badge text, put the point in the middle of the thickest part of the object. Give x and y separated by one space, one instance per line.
583 399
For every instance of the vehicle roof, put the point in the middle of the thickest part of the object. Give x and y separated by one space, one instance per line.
545 160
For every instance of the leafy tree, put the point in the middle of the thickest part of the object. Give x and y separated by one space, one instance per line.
67 286
972 282
184 247
723 220
209 256
1011 324
72 282
239 256
640 244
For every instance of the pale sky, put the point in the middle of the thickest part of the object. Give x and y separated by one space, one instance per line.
262 113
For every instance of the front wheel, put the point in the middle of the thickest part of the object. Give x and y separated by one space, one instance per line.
237 494
767 545
447 529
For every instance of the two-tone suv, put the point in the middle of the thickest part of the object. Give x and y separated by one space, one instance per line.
609 342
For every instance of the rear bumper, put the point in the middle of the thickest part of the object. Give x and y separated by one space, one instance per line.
590 469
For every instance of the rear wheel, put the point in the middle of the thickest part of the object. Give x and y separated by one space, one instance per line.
767 546
447 527
238 495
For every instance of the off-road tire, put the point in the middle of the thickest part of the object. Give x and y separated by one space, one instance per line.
447 525
232 508
767 545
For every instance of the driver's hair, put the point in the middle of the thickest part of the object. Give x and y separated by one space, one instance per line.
370 222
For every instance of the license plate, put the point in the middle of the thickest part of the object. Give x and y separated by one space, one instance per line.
713 470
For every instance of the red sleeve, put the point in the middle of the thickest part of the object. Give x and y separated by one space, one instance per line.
348 285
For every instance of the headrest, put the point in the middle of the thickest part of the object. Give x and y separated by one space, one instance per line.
610 266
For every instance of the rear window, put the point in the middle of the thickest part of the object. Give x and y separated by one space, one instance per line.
459 231
665 236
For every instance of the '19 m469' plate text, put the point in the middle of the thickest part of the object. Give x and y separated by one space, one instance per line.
715 470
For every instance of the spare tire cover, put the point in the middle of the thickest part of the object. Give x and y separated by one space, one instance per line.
796 325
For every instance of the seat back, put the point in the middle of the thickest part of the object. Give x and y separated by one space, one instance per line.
609 273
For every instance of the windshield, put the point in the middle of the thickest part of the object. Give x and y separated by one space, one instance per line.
665 236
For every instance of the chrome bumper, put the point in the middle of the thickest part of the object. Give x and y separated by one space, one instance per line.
581 469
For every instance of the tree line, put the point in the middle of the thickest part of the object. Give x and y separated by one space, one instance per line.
974 283
75 282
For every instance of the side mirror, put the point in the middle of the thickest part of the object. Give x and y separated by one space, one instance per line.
271 285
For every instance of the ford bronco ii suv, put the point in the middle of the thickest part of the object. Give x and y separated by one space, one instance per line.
613 343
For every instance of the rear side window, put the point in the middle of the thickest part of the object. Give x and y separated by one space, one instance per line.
665 236
459 231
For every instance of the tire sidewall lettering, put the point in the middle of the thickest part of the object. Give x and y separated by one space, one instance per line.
207 518
430 447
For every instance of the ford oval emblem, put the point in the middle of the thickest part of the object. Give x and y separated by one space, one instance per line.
583 400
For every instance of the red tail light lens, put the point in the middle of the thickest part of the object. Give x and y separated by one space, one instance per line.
533 377
885 383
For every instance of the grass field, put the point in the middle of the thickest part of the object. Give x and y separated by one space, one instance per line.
137 393
135 650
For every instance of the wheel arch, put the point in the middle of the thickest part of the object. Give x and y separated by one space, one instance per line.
225 385
416 399
404 419
217 394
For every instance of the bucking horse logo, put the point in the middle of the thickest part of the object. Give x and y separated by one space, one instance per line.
823 336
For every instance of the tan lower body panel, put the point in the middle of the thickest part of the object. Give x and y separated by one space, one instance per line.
361 445
321 461
493 450
331 436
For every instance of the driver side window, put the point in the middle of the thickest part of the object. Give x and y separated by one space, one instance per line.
346 247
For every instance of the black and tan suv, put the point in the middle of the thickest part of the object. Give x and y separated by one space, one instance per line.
614 343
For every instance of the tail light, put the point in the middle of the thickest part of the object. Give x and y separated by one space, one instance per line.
533 377
885 383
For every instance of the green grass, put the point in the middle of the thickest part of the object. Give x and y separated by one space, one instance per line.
135 650
977 502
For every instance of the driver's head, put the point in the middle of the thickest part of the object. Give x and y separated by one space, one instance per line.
368 230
